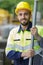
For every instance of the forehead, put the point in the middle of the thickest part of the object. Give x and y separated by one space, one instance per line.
23 11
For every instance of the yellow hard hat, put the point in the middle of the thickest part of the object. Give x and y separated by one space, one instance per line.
23 5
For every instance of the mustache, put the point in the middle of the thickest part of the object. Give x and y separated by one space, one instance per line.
23 19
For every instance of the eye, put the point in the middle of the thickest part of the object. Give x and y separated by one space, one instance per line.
20 14
25 13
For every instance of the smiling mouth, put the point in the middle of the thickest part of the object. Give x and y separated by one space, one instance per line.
23 20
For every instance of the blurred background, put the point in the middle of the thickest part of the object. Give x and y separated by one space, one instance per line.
8 20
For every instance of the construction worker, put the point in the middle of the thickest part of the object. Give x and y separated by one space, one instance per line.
19 41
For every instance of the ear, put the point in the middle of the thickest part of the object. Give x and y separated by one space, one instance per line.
30 17
17 18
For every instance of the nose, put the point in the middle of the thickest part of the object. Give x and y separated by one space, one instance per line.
23 16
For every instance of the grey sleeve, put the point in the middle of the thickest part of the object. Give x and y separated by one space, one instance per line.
41 42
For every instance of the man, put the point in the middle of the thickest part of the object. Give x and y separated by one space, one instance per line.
19 40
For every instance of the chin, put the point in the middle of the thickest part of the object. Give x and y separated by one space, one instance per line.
24 24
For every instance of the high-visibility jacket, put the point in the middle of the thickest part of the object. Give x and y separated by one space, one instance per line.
20 41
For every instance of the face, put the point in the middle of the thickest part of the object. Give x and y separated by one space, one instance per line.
24 17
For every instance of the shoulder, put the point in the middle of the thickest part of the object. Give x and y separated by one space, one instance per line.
14 30
40 29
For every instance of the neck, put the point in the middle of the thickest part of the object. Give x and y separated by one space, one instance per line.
24 27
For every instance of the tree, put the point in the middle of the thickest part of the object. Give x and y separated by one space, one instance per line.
10 5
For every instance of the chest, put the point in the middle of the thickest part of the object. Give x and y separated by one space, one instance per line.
22 38
22 41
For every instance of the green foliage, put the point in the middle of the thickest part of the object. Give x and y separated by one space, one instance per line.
11 4
7 5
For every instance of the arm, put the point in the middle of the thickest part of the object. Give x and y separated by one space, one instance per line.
17 55
14 55
41 42
39 39
34 32
10 51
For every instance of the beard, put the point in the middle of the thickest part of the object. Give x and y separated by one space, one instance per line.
24 24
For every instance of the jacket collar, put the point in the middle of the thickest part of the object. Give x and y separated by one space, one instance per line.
28 28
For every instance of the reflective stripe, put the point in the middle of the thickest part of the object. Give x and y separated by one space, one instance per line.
38 51
9 48
21 48
36 47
